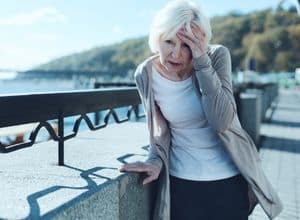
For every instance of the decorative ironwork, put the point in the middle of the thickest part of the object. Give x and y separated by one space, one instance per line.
106 120
32 138
65 104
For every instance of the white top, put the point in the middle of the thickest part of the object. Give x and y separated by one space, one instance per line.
196 152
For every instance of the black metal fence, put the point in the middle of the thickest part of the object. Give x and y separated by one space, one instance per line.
98 85
42 107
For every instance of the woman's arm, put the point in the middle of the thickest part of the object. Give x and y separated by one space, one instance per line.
215 81
153 165
214 78
153 157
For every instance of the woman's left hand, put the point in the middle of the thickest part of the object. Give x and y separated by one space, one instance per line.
194 40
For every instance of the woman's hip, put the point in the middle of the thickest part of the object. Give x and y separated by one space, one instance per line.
230 193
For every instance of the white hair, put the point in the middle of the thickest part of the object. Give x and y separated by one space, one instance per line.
177 14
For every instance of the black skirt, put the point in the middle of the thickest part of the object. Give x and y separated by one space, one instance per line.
225 199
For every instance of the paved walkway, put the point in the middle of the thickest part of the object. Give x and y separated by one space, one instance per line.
280 153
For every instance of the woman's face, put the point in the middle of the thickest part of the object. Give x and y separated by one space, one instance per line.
175 56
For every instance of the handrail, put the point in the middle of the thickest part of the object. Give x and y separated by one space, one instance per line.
17 109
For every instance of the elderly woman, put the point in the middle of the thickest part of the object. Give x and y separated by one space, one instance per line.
207 165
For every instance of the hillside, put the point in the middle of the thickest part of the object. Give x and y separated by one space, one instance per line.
269 39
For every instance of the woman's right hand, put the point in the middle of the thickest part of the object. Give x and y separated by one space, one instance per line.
151 170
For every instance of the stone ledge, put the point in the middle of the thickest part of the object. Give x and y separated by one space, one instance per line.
89 186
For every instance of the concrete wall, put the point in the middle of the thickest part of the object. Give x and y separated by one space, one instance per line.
89 186
254 108
123 198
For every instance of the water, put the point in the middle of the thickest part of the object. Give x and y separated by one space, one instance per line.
28 86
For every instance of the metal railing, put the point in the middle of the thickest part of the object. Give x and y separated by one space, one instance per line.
113 84
19 109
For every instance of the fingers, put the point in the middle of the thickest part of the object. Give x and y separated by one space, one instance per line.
197 36
151 171
193 43
201 36
149 179
134 167
197 29
196 33
188 35
195 40
185 39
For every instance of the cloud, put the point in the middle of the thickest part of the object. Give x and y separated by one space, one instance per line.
42 15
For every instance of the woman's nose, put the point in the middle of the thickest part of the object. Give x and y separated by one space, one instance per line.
176 52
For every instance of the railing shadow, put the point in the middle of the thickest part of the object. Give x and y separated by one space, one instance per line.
288 108
285 123
91 187
280 144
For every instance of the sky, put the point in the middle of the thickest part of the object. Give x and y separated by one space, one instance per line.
33 32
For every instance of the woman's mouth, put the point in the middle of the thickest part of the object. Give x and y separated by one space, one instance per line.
174 63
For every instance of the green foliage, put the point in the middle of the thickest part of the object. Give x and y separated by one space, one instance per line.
267 45
115 60
269 38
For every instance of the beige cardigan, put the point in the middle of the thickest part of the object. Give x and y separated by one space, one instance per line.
212 80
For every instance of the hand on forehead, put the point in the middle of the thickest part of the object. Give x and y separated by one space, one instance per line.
194 28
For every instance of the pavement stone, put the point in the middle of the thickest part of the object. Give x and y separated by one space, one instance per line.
280 153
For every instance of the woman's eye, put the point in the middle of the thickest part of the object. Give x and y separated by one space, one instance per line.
168 41
185 45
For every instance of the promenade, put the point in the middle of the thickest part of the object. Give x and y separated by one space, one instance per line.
89 186
280 153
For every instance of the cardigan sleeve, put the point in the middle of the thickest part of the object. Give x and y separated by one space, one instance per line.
153 157
214 79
